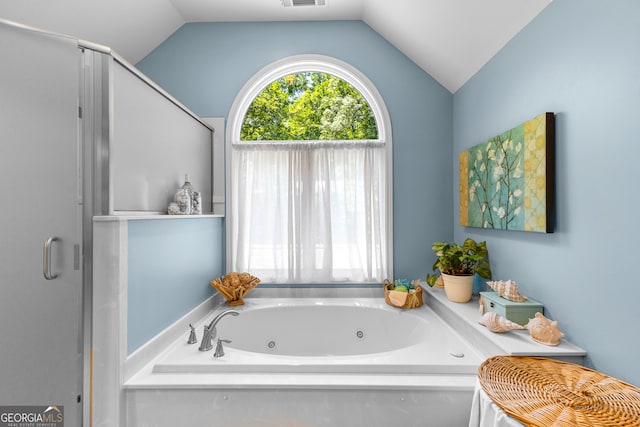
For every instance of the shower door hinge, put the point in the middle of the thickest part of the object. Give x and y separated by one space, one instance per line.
80 112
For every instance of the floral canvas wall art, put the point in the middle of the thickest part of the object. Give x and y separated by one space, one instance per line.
507 183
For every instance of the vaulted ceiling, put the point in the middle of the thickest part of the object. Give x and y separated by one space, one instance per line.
449 39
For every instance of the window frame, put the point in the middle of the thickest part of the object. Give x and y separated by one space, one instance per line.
305 63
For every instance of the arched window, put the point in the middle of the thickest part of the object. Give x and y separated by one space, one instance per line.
309 175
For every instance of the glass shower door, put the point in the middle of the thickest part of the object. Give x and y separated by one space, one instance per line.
41 346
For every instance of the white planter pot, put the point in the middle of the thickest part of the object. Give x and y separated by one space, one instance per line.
458 288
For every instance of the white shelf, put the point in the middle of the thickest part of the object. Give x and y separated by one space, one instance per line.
463 317
135 216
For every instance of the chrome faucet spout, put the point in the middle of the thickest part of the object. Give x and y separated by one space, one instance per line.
220 316
210 330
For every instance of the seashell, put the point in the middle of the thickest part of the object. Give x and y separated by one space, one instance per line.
498 286
511 292
496 323
481 305
543 330
507 289
398 298
439 282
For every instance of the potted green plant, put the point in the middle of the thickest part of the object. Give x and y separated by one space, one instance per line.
458 266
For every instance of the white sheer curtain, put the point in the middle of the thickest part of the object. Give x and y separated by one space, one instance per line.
309 211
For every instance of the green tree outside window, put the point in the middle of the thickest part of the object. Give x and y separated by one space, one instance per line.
309 106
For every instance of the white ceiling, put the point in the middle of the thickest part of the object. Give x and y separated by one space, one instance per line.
449 39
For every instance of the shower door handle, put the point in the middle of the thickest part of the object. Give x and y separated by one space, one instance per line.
46 258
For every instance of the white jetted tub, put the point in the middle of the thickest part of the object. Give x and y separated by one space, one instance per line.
331 335
312 362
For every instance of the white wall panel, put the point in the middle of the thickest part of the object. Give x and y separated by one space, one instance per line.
154 143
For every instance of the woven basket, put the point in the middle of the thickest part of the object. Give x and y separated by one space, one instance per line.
414 299
543 392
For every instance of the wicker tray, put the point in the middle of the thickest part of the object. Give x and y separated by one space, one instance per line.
414 299
544 392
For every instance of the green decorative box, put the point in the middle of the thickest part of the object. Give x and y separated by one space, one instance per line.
519 312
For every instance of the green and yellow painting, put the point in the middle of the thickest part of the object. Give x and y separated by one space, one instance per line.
507 182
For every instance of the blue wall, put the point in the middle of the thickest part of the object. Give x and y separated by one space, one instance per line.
579 59
204 65
171 263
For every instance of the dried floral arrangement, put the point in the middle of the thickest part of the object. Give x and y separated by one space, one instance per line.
233 286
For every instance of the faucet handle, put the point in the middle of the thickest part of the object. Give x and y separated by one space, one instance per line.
192 335
219 349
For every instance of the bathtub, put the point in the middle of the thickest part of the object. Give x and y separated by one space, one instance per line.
312 362
331 335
